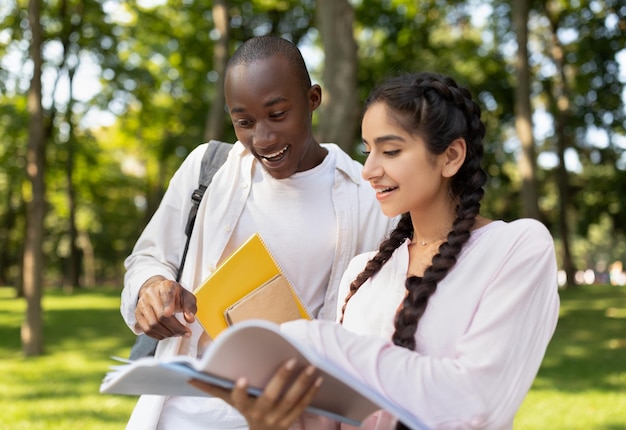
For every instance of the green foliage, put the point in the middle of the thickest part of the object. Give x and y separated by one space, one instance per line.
591 34
399 36
129 131
13 126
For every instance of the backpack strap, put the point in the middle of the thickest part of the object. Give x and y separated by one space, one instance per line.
213 158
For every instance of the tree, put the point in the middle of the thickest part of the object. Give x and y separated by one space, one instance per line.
33 267
560 106
523 112
72 22
340 103
579 62
215 119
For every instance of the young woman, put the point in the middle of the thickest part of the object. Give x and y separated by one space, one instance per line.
452 316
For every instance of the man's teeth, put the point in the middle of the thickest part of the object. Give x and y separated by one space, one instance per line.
274 155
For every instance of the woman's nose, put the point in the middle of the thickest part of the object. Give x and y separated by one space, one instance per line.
371 168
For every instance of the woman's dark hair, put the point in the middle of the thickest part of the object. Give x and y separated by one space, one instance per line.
435 108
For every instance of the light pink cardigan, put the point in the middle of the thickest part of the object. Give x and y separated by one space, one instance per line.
479 344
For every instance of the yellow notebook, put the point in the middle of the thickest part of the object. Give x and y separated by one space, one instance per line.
249 284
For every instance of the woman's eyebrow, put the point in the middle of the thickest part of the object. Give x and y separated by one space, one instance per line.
388 138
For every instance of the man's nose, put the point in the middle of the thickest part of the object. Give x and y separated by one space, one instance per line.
264 134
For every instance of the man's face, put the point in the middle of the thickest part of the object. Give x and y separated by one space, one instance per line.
271 114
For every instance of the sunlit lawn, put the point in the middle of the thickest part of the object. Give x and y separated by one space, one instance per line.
59 390
582 384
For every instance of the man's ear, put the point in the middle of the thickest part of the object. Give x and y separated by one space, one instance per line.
454 157
315 96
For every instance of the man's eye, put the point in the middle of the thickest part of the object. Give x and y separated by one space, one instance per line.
366 153
243 123
277 114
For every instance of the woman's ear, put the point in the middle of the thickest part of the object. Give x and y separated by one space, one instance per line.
454 157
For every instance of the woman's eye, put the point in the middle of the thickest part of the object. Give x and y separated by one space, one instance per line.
392 153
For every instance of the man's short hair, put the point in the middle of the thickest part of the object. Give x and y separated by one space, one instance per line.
263 47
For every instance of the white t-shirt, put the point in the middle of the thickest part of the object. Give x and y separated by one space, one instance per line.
301 203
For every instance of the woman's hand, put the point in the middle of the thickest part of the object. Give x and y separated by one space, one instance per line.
280 404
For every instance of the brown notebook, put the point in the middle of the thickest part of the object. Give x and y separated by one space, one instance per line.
272 301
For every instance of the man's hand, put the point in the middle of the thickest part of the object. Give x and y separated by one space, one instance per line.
159 299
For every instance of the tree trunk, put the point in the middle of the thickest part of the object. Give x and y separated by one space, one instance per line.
73 274
339 113
214 126
71 27
561 108
32 328
7 254
523 113
89 259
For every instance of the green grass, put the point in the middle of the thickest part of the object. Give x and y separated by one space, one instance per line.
582 381
59 390
581 385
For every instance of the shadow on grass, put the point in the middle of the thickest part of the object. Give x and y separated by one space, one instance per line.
64 384
92 331
588 349
91 323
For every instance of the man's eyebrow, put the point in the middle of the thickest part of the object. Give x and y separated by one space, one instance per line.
275 100
267 104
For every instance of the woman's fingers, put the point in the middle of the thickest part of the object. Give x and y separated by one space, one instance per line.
299 395
285 397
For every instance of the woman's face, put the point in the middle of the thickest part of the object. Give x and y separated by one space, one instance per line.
406 177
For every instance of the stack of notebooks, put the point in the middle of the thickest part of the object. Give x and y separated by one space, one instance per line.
249 284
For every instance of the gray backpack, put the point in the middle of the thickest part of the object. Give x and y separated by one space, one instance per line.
214 156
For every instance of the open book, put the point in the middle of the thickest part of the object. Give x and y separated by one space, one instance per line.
249 284
254 349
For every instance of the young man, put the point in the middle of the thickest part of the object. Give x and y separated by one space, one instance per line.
307 200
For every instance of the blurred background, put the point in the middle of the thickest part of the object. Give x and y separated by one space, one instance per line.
100 101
